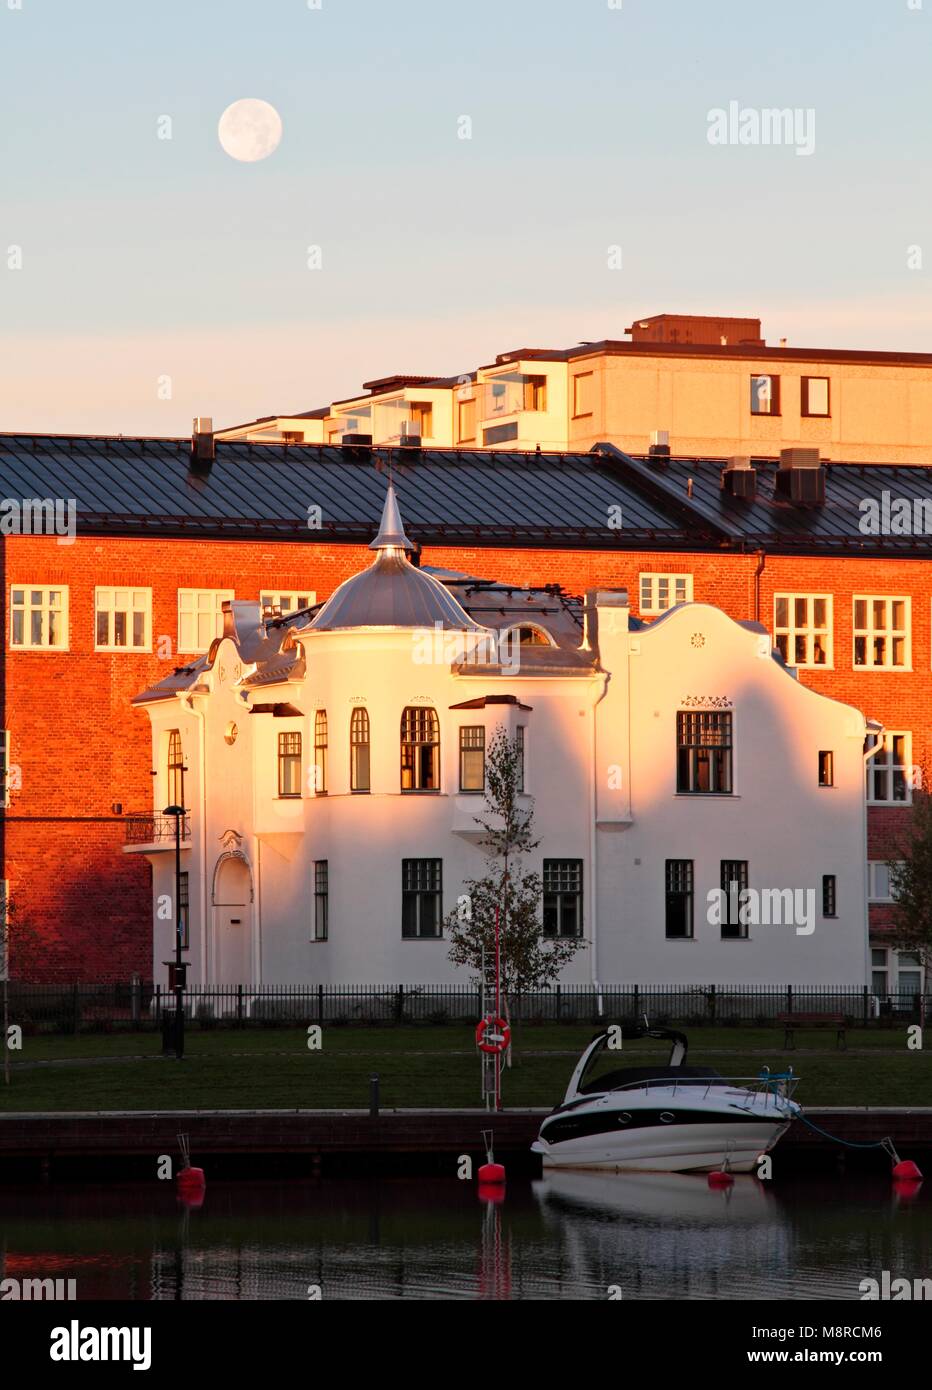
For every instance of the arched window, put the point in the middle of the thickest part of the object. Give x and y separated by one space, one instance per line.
420 749
175 769
530 635
320 752
359 750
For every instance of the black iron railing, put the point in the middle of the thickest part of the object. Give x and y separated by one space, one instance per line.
155 828
138 1004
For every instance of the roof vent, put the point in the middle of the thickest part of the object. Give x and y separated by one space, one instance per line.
357 446
203 445
659 444
801 475
739 478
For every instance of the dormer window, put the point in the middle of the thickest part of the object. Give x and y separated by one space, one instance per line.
531 635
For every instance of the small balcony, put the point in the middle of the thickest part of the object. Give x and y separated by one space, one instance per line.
509 407
154 831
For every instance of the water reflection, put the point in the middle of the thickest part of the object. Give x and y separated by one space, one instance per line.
568 1235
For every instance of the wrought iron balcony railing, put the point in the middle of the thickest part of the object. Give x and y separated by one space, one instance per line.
155 828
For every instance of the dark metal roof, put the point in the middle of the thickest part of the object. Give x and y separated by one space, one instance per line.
145 487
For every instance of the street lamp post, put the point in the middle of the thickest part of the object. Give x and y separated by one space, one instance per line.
178 812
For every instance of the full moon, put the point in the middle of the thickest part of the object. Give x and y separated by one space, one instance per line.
250 129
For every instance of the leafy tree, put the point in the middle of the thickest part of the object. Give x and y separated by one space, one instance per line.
529 960
911 888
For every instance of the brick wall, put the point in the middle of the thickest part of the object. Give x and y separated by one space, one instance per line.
82 748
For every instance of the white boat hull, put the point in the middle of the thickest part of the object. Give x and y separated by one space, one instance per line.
678 1148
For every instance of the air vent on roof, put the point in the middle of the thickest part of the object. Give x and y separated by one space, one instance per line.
659 444
203 447
357 446
801 475
739 478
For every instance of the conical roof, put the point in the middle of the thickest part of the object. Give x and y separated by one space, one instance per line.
391 592
391 527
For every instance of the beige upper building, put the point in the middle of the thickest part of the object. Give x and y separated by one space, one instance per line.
705 387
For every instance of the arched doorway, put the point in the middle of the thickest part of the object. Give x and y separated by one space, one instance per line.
232 898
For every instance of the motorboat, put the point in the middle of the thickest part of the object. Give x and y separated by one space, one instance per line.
669 1119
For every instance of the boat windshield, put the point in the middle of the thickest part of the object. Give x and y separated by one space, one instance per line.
595 1084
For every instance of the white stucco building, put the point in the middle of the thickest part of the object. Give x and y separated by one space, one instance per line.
333 764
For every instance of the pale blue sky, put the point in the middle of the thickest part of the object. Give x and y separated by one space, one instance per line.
145 258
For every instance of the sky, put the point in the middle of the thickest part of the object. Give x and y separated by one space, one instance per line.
144 280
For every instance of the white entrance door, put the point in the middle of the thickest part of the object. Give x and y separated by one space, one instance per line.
233 924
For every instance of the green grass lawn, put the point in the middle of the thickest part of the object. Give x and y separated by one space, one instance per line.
423 1066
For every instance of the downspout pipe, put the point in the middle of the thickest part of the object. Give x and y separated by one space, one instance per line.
593 851
202 816
761 562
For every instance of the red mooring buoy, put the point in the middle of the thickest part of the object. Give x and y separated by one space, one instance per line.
907 1171
191 1180
492 1173
720 1178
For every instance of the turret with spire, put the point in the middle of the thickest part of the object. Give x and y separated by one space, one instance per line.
392 592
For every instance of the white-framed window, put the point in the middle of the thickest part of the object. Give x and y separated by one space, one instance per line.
904 968
287 603
880 980
908 977
878 881
4 769
200 617
662 591
39 617
882 632
889 771
802 629
122 620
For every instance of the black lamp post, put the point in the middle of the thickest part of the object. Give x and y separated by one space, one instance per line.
178 813
180 968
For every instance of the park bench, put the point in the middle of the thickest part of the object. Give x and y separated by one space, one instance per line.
793 1021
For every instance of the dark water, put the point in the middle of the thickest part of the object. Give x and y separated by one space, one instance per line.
566 1236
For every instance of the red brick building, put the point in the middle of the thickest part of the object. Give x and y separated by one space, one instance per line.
161 536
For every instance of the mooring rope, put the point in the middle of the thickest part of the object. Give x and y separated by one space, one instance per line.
885 1143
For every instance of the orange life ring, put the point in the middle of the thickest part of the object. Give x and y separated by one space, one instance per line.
493 1035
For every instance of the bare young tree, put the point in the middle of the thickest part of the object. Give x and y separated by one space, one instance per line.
529 960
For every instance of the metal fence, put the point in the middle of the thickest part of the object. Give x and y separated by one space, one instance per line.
138 1005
